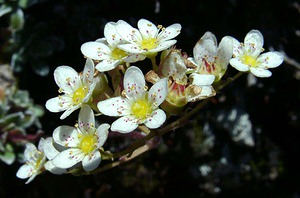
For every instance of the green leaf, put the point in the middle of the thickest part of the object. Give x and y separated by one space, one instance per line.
17 20
4 9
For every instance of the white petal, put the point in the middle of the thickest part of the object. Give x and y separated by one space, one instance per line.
254 42
86 119
124 124
58 104
270 59
102 133
111 34
68 158
25 171
67 79
162 46
127 32
237 64
174 66
131 58
69 111
134 82
88 72
201 79
206 91
49 149
206 48
260 72
66 136
238 49
157 118
131 48
91 161
53 169
225 51
170 32
95 50
147 29
29 151
107 65
116 106
158 92
31 178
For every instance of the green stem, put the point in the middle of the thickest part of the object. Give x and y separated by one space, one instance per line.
153 61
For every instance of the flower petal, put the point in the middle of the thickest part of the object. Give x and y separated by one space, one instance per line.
53 169
49 149
131 58
111 34
147 29
237 64
67 79
25 171
260 72
88 72
162 46
131 48
66 136
201 79
58 104
102 133
107 65
95 50
124 124
158 92
86 119
169 32
68 158
91 161
270 59
69 111
157 118
116 106
254 42
206 48
29 151
127 32
134 82
225 51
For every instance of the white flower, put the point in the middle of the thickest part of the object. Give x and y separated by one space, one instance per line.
247 55
82 142
209 58
77 88
137 106
106 50
147 39
35 160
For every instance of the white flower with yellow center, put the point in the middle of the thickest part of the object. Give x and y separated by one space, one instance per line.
35 160
136 106
209 58
106 50
247 56
77 88
147 39
82 142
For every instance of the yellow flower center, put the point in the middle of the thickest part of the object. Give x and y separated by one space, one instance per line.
141 109
79 94
250 60
148 44
118 54
88 143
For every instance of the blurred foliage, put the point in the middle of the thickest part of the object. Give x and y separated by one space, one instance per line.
245 143
19 117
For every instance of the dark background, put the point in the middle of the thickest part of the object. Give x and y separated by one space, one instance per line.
173 168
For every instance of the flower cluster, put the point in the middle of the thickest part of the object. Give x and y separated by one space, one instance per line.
142 97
